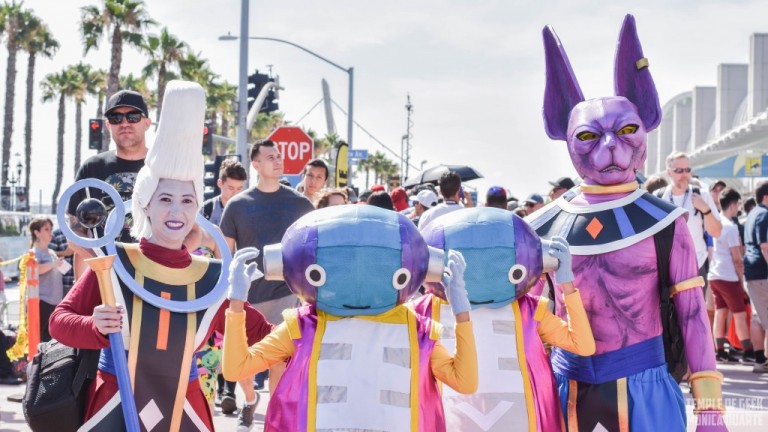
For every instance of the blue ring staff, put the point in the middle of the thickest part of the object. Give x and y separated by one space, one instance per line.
101 265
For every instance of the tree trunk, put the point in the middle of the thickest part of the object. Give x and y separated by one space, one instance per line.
113 80
59 155
160 89
78 135
224 124
10 93
28 122
100 105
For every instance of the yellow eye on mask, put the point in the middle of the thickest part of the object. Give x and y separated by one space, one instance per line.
587 136
628 129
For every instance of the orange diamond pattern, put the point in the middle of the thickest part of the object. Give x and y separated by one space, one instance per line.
594 227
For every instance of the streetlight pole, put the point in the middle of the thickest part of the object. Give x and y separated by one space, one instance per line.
243 74
242 110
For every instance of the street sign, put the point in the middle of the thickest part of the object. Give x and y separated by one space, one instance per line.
358 154
296 147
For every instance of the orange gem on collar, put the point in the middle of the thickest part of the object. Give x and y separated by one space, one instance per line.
594 227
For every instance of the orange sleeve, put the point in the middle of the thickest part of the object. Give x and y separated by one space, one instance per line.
239 361
458 371
575 335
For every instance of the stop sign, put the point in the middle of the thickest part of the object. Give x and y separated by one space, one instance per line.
296 147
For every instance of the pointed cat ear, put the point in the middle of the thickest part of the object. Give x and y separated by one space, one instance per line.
632 77
562 91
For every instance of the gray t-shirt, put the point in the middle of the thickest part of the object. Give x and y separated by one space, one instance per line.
255 218
51 283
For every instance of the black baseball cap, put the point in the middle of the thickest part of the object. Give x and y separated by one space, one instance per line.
127 98
563 182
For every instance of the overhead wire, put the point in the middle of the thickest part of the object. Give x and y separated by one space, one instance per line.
370 135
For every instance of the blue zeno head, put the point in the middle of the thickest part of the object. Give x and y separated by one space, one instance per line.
502 252
354 259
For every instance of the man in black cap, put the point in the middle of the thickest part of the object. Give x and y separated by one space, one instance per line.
560 186
127 121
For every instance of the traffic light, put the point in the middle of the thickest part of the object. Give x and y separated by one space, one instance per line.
95 127
210 179
211 176
207 138
270 105
259 80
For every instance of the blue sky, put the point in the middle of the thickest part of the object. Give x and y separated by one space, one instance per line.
474 69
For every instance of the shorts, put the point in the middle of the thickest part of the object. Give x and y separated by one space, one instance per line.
273 309
758 294
728 294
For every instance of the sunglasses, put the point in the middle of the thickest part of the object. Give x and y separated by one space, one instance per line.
681 170
117 118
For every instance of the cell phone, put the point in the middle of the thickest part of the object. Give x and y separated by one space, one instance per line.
461 192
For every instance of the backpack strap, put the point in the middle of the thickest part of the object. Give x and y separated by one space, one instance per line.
86 369
674 347
663 242
208 209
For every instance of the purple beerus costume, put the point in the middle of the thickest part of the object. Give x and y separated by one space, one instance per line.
610 226
362 359
516 389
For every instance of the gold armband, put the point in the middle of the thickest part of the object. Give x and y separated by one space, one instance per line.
687 284
707 391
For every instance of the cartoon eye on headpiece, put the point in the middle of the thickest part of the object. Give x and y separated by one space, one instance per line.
315 275
517 273
401 278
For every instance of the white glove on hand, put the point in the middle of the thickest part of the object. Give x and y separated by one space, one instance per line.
453 281
559 249
241 275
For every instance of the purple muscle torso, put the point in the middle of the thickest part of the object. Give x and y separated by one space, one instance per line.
620 293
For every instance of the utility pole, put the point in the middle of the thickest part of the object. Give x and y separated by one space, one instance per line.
242 89
409 110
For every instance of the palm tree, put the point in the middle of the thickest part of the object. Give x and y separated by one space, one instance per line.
12 20
366 165
83 83
164 51
194 67
127 20
39 41
324 145
99 84
139 84
58 85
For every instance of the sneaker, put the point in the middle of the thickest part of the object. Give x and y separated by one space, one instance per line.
760 368
245 422
228 404
748 358
723 356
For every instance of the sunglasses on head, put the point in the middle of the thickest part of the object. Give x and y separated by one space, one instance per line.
117 118
681 170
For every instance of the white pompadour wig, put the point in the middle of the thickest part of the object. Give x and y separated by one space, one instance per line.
176 152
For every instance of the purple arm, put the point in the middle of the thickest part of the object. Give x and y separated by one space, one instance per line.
689 304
